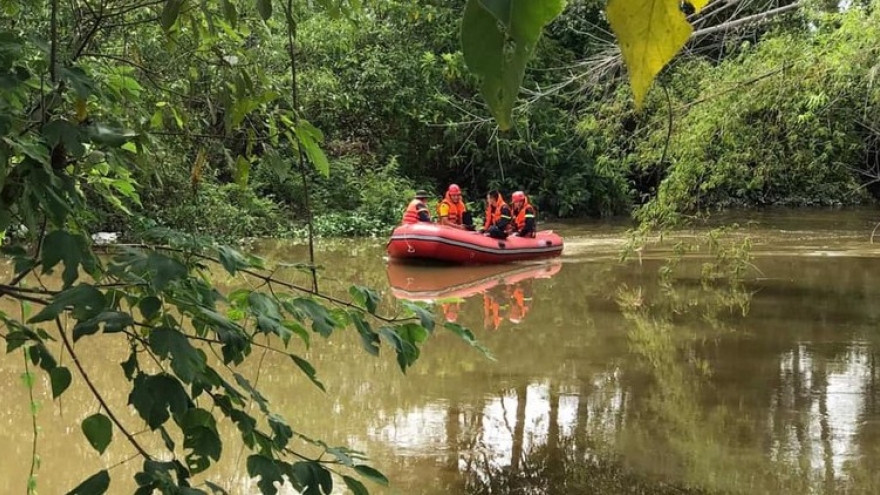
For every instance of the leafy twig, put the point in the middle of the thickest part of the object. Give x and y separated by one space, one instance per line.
97 394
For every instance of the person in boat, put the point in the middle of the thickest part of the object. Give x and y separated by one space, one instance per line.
417 210
453 212
498 216
523 215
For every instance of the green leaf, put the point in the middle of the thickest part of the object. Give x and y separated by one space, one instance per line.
114 321
73 250
98 430
366 297
96 484
369 338
64 132
309 370
150 307
281 431
153 396
60 378
311 478
187 362
111 136
81 82
85 302
201 438
216 488
468 337
170 13
425 316
650 33
242 171
407 352
229 12
498 37
310 138
302 307
232 260
268 471
264 7
164 269
253 392
356 487
371 474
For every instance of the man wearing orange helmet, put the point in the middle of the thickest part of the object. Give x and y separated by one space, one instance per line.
523 215
453 211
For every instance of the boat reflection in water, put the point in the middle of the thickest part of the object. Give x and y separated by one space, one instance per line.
506 290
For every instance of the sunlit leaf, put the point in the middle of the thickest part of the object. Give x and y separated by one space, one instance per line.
650 33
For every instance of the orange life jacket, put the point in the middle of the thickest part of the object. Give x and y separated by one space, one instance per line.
411 215
519 308
521 214
493 213
491 313
456 210
450 311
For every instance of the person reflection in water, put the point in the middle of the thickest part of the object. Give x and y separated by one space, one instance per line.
450 311
510 302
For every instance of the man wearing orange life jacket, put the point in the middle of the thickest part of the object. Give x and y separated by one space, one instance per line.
498 217
417 210
453 212
524 215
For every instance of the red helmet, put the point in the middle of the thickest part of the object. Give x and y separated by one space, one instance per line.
454 189
518 196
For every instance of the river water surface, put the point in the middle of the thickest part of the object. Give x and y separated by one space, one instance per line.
600 371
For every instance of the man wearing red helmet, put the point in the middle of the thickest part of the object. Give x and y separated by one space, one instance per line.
452 210
523 215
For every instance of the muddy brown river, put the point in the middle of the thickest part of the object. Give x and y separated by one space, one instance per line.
771 386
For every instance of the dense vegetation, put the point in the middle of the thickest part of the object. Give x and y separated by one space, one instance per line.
223 119
776 112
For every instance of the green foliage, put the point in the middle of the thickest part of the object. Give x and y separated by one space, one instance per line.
80 126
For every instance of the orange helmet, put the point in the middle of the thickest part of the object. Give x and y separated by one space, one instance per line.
518 196
454 189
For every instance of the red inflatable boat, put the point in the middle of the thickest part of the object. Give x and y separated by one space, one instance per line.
426 241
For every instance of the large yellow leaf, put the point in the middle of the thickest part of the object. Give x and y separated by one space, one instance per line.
650 33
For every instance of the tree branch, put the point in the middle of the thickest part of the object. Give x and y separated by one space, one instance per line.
97 394
745 20
291 35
